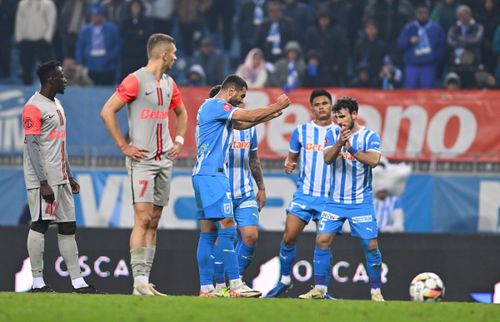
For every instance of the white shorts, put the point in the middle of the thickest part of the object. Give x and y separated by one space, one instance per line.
150 181
61 210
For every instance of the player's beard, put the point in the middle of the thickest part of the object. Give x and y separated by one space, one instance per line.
234 101
351 125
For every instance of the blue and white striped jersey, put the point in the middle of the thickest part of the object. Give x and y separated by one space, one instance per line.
352 180
213 137
240 175
314 175
384 209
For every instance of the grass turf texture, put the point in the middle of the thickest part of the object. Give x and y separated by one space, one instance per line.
97 308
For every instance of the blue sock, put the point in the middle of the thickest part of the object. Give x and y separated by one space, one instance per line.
322 262
218 264
373 264
245 254
225 239
203 255
287 257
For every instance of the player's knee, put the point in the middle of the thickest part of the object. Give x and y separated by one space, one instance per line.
227 223
372 252
250 238
142 222
40 226
289 240
153 224
67 228
323 243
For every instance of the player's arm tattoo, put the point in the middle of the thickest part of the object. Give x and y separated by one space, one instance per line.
256 169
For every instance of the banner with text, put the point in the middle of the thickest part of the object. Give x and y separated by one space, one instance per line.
435 203
457 125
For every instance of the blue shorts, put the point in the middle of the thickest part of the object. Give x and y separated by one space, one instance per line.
213 197
361 219
306 207
246 211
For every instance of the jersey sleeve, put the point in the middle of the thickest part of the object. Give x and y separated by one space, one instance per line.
373 143
294 141
128 89
176 97
32 120
254 142
223 111
331 137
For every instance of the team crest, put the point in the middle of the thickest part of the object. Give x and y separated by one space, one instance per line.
28 123
227 107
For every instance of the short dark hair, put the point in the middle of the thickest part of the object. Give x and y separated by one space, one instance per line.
45 70
319 92
234 80
214 90
346 102
156 39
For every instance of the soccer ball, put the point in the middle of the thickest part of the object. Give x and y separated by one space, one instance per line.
427 287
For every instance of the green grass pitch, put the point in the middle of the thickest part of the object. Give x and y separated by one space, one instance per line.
103 308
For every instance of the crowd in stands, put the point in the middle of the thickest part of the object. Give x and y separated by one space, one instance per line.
384 44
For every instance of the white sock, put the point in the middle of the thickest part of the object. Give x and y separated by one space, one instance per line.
234 284
286 279
322 288
141 279
38 282
78 282
220 286
206 288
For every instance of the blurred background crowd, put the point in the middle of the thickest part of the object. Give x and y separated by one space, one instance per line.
383 44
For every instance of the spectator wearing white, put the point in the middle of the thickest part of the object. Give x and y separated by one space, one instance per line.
388 184
452 81
254 70
34 31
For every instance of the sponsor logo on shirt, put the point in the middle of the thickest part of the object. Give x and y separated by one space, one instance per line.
147 114
347 156
314 147
227 107
56 134
241 145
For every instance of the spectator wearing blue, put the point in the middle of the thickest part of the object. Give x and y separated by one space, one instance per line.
98 48
251 16
422 43
275 32
390 76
